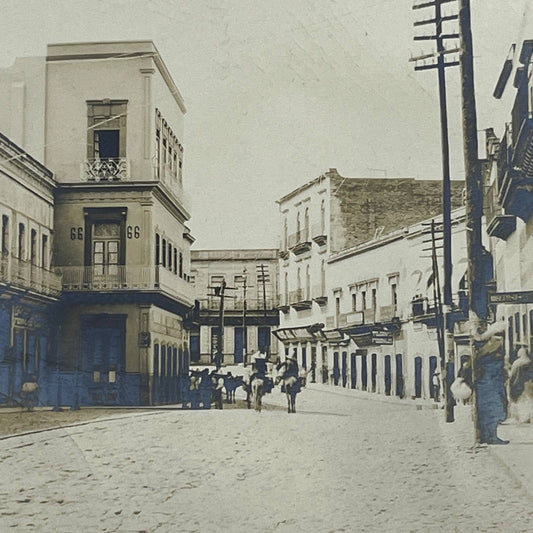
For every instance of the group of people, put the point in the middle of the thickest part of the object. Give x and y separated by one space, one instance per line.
501 389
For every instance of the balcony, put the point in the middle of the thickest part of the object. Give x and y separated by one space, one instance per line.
318 234
299 300
299 242
319 295
253 305
117 169
515 172
127 278
284 305
499 224
27 276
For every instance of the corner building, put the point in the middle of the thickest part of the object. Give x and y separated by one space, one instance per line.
113 134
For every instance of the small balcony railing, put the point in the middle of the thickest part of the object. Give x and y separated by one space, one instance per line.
253 305
318 234
299 242
126 278
115 169
319 294
498 223
26 275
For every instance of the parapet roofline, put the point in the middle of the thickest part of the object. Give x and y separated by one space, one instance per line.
115 50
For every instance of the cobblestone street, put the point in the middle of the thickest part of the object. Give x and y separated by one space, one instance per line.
341 463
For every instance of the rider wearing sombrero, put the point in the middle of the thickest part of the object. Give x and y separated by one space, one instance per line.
291 366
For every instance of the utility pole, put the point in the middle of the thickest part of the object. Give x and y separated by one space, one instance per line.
220 292
439 37
477 298
244 329
262 277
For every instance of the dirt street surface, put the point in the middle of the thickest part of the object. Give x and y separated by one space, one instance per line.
339 464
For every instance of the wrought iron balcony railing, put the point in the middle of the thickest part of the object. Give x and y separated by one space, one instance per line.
253 305
126 278
115 169
26 275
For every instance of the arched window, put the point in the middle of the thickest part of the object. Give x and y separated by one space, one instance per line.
298 226
306 224
323 217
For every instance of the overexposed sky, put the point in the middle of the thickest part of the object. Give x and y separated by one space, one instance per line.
278 92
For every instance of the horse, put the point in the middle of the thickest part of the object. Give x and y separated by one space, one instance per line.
231 384
258 391
291 383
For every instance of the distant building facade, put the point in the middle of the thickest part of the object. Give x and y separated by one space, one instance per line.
29 289
249 312
344 301
108 119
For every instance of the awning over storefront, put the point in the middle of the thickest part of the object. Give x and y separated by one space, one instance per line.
334 336
310 333
374 338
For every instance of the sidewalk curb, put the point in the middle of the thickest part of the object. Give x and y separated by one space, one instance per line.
81 423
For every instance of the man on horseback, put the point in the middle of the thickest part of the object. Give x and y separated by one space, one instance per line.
256 385
288 374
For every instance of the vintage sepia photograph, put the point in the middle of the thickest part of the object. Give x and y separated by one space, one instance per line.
266 267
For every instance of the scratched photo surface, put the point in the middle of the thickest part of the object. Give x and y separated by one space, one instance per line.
266 266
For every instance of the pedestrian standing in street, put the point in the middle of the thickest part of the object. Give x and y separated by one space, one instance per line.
490 386
30 392
520 380
436 386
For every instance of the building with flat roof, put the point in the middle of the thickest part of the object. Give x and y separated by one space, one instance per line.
249 311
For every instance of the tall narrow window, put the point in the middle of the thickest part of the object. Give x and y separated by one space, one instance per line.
286 288
374 298
164 252
298 227
175 262
363 300
306 224
22 242
33 247
180 265
323 217
394 294
354 301
157 248
169 252
323 278
5 234
157 151
44 252
307 283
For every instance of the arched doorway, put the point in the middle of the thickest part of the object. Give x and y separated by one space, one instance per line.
418 377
